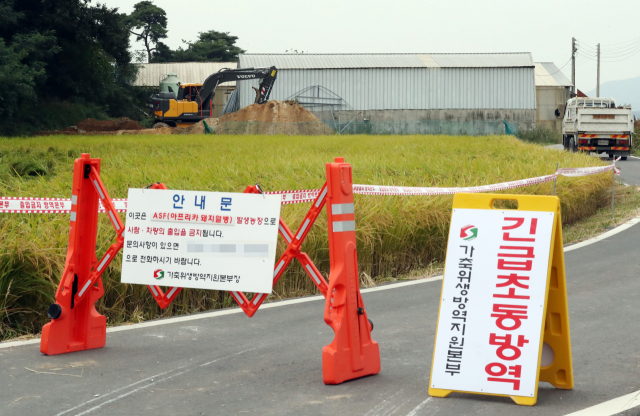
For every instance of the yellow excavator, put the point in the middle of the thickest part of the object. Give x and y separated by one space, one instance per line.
194 102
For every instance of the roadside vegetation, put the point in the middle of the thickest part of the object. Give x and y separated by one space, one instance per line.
541 135
397 236
635 150
69 60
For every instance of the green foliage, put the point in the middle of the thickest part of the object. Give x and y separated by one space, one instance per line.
22 63
394 234
51 115
149 23
63 51
163 53
635 149
211 46
541 135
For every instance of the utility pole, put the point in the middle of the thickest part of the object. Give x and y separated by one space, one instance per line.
573 66
598 87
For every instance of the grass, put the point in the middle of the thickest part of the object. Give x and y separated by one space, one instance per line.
541 135
627 206
397 236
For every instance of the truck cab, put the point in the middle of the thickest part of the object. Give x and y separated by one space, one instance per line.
594 124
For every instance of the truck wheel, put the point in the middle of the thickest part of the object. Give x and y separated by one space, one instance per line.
572 145
623 158
160 125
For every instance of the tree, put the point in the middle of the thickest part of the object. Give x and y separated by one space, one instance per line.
162 54
21 69
150 24
22 60
211 46
63 50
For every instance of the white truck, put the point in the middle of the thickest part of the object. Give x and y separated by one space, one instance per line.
597 125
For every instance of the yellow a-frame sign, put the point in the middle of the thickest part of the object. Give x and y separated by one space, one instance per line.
519 252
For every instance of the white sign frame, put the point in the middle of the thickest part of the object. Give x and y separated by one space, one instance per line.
219 240
477 352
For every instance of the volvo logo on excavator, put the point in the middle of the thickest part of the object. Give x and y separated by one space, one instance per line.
246 76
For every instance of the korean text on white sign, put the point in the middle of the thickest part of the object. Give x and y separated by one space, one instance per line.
204 240
493 295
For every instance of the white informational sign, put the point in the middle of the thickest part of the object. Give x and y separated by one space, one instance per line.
203 240
492 304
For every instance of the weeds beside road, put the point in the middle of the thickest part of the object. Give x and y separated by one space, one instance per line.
541 135
396 235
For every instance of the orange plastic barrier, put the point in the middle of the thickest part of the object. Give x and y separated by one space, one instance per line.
250 307
352 353
75 324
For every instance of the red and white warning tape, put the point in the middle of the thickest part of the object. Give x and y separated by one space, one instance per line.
48 205
62 205
409 190
296 197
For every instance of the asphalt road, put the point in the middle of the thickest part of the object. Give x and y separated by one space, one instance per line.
630 168
271 364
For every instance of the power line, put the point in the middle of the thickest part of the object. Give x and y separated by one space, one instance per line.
560 69
587 50
620 43
613 58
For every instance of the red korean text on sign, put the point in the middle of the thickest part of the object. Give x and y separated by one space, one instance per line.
511 293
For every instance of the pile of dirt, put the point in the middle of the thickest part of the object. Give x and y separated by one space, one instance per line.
92 126
273 117
122 123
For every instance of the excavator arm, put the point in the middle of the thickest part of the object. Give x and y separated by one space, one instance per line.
266 75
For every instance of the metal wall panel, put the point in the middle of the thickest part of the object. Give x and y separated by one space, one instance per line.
410 88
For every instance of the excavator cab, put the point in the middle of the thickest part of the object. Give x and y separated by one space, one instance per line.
189 92
194 102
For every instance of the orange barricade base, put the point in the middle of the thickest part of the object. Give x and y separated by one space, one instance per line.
353 353
77 326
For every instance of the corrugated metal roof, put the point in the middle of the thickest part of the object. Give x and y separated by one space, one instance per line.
548 75
188 72
389 60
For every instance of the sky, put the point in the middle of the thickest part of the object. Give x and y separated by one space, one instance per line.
542 27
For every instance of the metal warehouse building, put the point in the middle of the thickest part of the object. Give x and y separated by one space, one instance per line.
404 87
553 90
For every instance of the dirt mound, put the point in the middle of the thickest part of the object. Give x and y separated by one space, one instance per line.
273 117
272 112
122 123
90 125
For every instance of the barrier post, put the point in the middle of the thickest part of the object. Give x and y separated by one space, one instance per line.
75 325
353 353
